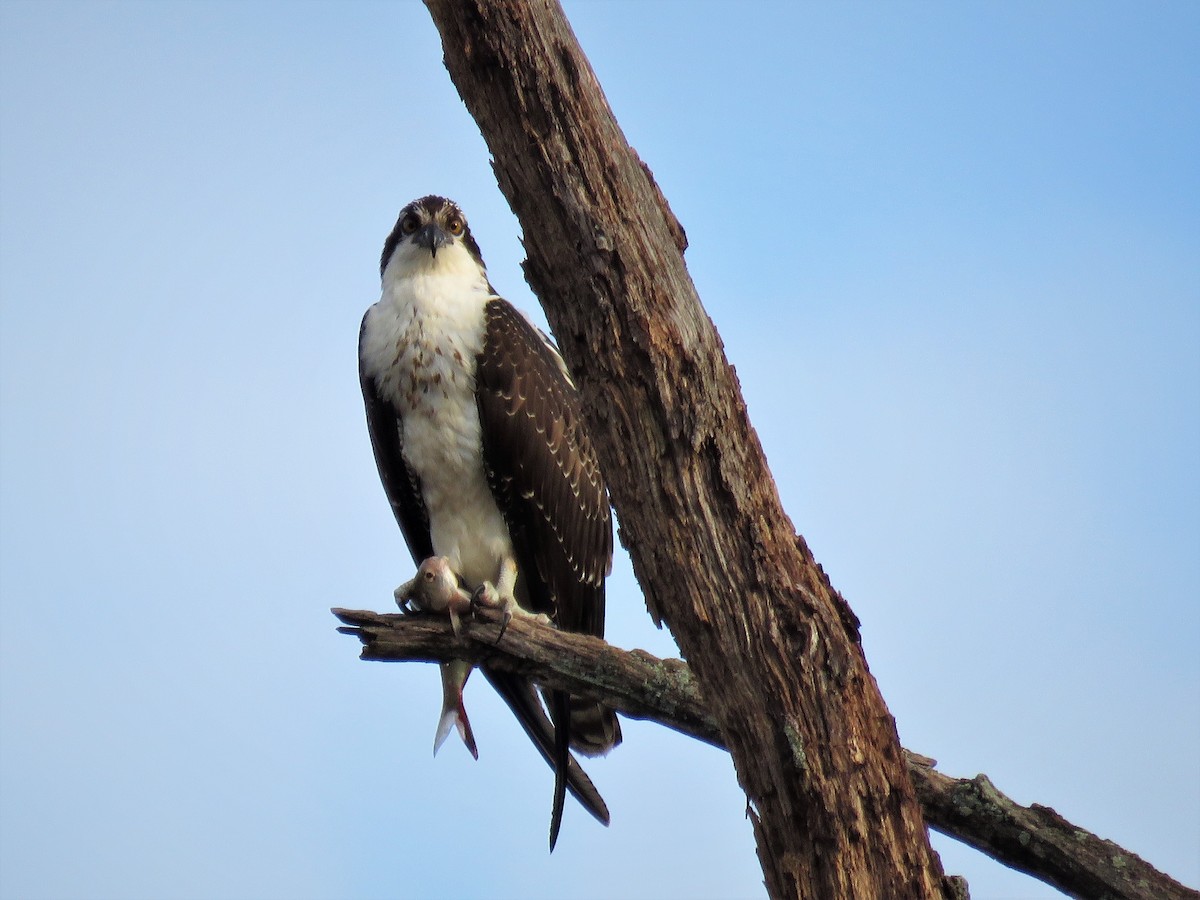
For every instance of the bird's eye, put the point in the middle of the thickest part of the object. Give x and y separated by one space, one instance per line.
429 576
455 226
409 224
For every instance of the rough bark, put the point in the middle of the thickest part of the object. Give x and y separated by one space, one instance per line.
1037 840
1034 839
813 744
814 747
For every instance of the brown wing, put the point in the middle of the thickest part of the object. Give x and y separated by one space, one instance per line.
543 472
545 477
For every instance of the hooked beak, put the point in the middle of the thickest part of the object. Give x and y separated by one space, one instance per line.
431 237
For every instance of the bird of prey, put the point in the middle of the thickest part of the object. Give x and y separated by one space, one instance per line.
481 446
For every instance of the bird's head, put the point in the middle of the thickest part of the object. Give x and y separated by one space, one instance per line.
431 234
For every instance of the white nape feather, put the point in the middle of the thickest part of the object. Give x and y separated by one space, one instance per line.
420 344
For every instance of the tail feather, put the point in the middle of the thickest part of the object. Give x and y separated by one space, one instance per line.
560 714
522 699
594 728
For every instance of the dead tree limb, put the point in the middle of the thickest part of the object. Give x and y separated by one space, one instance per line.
1034 839
1037 840
813 744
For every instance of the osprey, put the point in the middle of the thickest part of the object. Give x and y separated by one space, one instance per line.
481 447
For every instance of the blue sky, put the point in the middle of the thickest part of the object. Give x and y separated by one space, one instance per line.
951 250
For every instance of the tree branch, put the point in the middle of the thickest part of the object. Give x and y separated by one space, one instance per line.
1034 839
1037 840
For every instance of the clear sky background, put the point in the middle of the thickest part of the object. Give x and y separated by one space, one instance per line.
953 250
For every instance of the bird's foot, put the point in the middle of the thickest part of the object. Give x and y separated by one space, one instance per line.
487 597
406 598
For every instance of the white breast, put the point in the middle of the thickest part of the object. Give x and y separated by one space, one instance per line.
420 344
